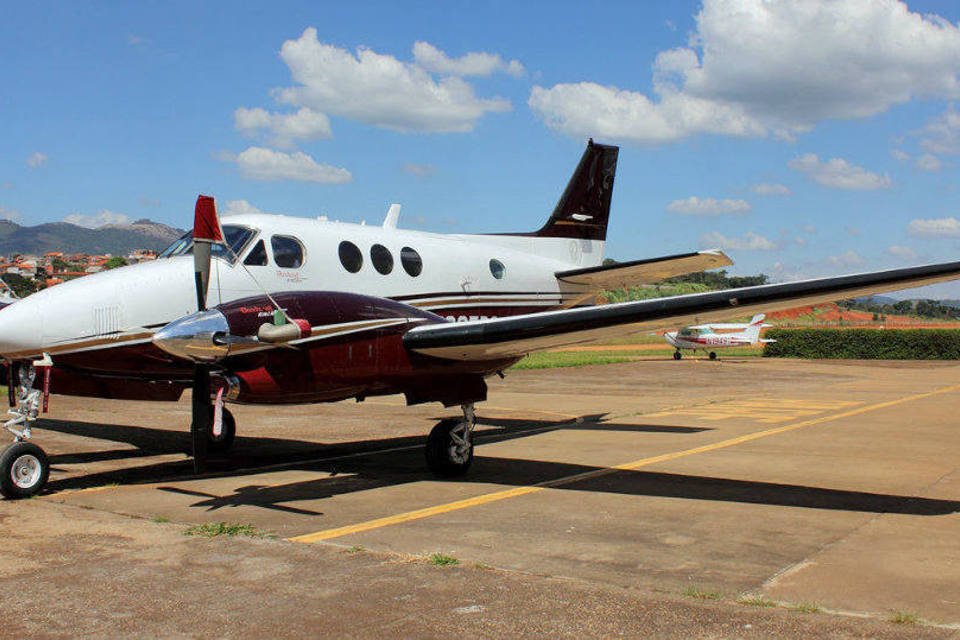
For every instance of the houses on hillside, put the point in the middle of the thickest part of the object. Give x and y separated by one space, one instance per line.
55 267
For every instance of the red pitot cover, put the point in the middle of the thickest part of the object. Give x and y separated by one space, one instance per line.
206 224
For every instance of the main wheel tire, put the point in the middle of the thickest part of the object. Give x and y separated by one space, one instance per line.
677 355
713 355
24 469
228 433
445 456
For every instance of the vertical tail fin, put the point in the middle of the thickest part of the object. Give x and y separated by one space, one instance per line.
584 207
753 330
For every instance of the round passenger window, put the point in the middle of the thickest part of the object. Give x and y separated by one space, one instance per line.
287 252
382 258
411 261
350 256
497 268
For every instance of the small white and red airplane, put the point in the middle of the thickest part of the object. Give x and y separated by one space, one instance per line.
279 310
710 337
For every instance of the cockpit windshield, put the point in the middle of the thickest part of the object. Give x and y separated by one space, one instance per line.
689 332
236 238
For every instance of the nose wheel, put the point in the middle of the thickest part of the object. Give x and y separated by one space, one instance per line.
677 355
24 469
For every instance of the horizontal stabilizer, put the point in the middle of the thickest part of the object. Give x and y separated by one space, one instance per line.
519 335
632 274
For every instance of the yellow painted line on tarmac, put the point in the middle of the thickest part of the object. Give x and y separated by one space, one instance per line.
767 410
496 496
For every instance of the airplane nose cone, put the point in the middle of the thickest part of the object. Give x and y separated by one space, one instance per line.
193 337
21 332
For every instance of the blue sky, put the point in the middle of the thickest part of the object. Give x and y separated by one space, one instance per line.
805 139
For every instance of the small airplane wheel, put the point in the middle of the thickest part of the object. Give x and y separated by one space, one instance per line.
228 432
713 355
24 469
449 448
677 355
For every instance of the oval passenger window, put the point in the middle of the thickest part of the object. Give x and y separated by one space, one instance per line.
287 252
497 268
382 258
350 256
411 261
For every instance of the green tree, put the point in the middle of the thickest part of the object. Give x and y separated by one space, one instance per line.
114 262
20 285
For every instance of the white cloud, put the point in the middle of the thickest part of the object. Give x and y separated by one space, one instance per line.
751 68
928 162
419 170
899 155
942 134
10 214
749 242
378 89
838 173
102 218
849 259
238 208
770 189
284 128
36 160
899 251
934 228
472 64
258 163
708 206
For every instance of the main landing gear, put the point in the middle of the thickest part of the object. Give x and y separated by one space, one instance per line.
24 467
450 444
223 441
713 355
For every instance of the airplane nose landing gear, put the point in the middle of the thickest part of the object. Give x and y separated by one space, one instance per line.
450 445
24 467
24 470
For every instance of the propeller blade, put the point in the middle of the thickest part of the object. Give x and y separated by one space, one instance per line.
200 424
206 232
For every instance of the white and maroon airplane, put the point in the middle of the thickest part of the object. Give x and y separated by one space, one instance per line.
274 309
710 337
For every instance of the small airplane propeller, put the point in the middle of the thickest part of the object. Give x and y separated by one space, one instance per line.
206 233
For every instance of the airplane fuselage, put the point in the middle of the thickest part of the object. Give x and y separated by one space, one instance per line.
366 284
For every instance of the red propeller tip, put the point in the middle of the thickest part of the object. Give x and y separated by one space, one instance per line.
206 225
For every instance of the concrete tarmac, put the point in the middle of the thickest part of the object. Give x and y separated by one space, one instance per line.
603 500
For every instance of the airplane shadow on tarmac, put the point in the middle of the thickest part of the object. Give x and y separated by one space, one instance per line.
370 464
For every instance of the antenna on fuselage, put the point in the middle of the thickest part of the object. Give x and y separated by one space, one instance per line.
393 214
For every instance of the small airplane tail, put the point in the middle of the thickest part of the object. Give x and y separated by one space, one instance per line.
753 329
584 208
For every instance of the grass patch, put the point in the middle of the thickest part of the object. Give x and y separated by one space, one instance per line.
441 560
230 529
904 617
806 607
703 594
756 600
357 548
556 359
160 519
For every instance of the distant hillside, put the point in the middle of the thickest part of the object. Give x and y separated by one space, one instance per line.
117 239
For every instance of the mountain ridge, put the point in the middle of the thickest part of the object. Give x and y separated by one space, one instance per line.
116 239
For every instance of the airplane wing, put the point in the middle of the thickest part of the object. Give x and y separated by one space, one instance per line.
519 335
631 274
